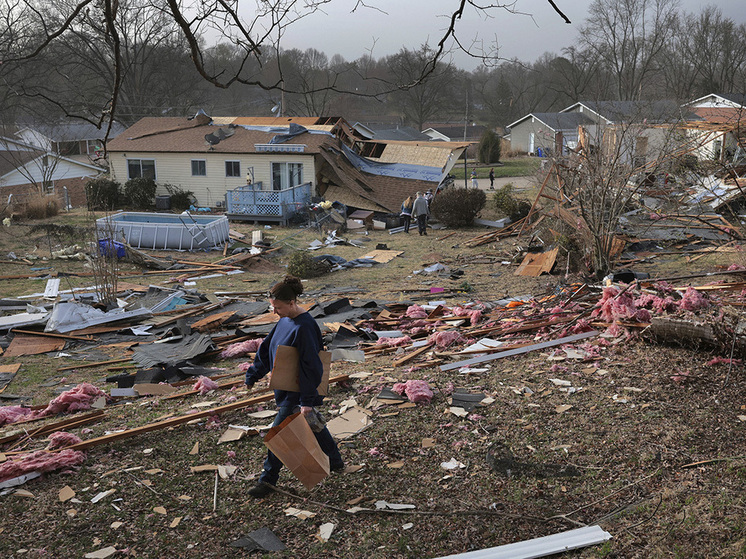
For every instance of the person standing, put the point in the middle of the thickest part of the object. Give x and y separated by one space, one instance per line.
474 182
492 179
298 329
420 211
406 212
429 197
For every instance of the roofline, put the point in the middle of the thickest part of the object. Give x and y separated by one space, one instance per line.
580 103
714 95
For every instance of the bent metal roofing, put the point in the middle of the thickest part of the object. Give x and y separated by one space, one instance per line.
180 135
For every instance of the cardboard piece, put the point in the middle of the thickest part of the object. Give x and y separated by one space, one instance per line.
349 423
286 370
293 442
151 389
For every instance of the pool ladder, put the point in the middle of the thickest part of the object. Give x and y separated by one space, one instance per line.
194 229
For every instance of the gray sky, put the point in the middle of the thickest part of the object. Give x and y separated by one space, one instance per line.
536 29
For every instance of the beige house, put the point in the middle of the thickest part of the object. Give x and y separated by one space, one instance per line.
210 156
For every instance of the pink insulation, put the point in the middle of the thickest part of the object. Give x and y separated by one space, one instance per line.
11 414
40 461
204 385
474 314
444 339
245 366
417 391
241 348
61 439
394 342
416 311
736 268
718 360
78 398
614 307
693 300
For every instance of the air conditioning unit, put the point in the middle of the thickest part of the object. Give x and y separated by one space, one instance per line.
219 203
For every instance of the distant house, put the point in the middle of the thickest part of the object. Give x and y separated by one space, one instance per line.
27 171
455 132
547 133
716 126
388 132
69 139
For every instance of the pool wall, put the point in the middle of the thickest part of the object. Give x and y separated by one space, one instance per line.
165 231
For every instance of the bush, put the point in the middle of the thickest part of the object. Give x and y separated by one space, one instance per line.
504 202
457 207
40 206
180 199
140 193
302 265
102 194
490 147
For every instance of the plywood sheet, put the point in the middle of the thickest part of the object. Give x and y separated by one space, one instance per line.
535 264
33 345
383 256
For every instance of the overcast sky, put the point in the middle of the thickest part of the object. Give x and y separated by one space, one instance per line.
536 29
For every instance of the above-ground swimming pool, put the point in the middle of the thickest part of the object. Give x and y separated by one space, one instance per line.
165 231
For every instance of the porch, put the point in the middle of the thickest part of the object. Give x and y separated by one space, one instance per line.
250 203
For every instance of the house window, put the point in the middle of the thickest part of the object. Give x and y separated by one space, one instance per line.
286 175
232 168
199 168
141 168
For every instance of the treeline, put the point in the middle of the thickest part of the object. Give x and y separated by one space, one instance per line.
626 49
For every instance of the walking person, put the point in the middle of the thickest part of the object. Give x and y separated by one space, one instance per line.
492 179
420 211
298 329
474 182
406 212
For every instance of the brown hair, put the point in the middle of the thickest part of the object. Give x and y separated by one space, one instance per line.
286 290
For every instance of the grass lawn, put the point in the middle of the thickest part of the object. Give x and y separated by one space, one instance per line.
511 167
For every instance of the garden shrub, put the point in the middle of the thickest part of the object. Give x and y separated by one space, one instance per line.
102 194
457 207
180 199
302 265
489 148
504 201
40 206
140 193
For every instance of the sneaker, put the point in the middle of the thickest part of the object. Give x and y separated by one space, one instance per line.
261 490
337 467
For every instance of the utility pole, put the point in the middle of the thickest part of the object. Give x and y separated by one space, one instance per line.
466 123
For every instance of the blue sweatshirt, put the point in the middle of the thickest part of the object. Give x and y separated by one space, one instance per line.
302 333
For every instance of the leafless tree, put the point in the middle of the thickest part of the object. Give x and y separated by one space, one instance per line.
603 178
629 37
31 29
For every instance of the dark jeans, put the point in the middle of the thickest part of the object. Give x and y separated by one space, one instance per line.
422 224
407 220
273 465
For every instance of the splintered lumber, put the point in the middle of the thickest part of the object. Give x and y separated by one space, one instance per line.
69 423
416 353
535 264
97 364
53 335
166 423
519 351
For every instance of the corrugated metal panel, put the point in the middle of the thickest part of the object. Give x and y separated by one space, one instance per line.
540 547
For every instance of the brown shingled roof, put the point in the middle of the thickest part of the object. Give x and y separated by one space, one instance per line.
179 135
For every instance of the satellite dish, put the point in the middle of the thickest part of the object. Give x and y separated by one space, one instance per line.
212 139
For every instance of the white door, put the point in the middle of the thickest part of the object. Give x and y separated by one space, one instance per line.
531 143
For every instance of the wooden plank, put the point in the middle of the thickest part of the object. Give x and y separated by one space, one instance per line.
520 350
416 353
166 423
97 364
53 335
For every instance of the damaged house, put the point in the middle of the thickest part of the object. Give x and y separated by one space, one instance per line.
268 168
